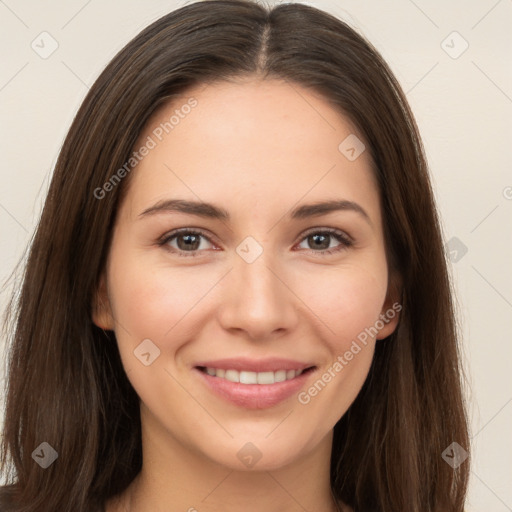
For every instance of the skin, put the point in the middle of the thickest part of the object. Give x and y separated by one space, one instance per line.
258 148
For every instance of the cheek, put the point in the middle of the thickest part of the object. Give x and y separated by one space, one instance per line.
151 303
349 304
347 299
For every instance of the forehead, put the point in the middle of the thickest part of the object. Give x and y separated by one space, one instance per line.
265 142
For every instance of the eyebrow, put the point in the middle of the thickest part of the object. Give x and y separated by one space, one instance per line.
211 211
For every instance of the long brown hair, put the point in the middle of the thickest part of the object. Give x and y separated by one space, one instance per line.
66 383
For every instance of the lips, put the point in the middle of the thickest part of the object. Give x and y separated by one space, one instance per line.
254 384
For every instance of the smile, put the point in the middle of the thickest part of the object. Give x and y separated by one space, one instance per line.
248 377
254 384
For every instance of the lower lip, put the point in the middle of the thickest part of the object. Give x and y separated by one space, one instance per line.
255 396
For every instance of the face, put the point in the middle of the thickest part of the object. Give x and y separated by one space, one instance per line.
220 269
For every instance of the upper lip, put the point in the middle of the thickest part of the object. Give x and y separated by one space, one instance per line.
255 365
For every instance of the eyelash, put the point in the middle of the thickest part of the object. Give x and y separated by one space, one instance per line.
340 236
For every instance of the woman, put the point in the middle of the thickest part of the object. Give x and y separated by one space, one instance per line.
237 295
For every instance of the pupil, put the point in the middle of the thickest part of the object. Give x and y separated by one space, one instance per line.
190 242
322 244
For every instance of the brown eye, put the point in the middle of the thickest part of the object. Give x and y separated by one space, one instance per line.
185 241
320 241
188 242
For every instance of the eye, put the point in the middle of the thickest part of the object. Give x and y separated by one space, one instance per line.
320 241
185 241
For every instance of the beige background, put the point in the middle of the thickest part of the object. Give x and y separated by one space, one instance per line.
463 107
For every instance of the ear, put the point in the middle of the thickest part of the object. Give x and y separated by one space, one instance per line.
101 309
390 313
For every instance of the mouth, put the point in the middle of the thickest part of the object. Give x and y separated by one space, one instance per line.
240 382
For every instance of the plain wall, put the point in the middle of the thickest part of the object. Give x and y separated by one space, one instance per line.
463 106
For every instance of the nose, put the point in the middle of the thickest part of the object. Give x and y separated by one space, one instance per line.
257 301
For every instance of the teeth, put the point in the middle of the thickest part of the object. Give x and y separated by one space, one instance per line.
231 375
248 378
280 376
267 377
245 377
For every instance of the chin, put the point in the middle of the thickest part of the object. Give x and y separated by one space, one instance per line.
256 453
